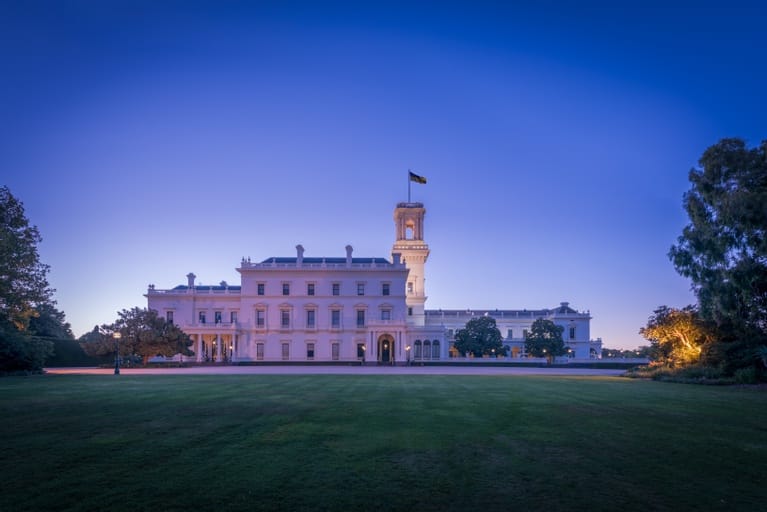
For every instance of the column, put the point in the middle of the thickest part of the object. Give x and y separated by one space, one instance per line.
218 348
199 348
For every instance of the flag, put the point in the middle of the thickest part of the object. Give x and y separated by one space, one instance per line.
417 179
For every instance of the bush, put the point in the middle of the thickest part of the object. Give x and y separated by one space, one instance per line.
20 353
695 374
746 376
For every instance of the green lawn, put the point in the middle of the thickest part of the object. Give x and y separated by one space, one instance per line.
379 443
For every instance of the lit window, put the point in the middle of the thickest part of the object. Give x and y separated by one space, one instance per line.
310 289
360 318
336 288
261 287
286 288
335 318
385 289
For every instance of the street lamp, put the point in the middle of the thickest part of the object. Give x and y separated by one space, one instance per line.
407 351
363 354
117 337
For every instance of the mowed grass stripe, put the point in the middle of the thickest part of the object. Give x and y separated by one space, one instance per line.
396 442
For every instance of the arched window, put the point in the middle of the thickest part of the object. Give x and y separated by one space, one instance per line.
427 349
417 351
435 349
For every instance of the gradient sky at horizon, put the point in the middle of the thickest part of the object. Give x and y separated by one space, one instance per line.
151 139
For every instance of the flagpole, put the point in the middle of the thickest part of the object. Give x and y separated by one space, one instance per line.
408 185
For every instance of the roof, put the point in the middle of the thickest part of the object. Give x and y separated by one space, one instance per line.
217 288
498 313
368 261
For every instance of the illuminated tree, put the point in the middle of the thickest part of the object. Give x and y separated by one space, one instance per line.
545 340
678 336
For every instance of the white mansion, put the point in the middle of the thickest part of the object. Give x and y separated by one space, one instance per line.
343 309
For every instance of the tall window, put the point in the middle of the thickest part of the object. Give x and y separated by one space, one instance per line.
310 289
409 311
310 318
360 318
261 287
335 318
435 349
286 288
386 314
385 289
260 314
409 288
417 349
285 351
360 351
360 288
426 349
310 351
509 334
201 317
260 351
335 351
233 317
336 288
572 333
217 317
285 318
169 317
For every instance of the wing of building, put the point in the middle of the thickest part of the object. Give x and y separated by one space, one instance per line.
369 309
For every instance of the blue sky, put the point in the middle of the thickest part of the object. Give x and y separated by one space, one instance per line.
151 139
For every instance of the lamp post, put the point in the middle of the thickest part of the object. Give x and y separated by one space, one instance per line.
363 355
117 337
407 351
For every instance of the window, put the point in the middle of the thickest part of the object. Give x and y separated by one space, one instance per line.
335 351
286 288
335 318
426 349
509 334
385 289
360 351
310 289
284 318
409 288
310 313
217 317
233 317
336 288
451 332
285 351
260 313
261 287
435 349
409 311
386 314
524 333
201 317
360 288
572 333
169 317
260 351
360 318
310 351
417 350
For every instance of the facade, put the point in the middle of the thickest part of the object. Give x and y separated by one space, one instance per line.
369 310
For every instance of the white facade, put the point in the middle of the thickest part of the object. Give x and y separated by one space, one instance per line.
370 310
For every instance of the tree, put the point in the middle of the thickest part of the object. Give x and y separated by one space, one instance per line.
480 338
143 333
678 336
723 250
23 288
545 340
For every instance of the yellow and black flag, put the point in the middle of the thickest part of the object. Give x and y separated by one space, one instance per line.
416 178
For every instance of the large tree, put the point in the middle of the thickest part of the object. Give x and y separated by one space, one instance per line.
143 333
23 288
545 340
678 336
723 250
480 338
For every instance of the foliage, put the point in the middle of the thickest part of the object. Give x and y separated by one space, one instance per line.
21 352
692 374
545 340
23 279
723 250
142 333
480 338
677 336
644 351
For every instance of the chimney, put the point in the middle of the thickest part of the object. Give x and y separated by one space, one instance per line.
349 255
395 256
190 280
299 255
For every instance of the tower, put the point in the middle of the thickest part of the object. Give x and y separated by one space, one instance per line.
413 251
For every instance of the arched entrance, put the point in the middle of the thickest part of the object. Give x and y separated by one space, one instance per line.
385 349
